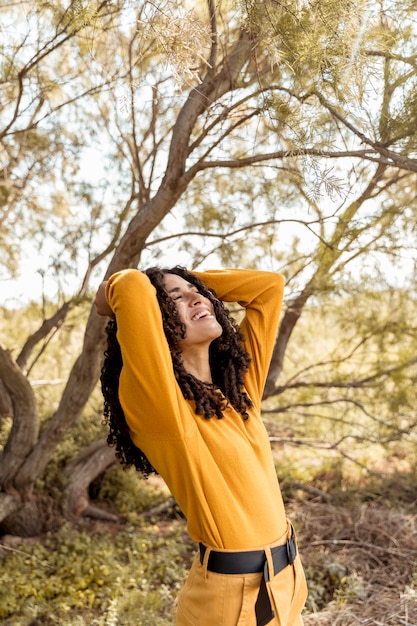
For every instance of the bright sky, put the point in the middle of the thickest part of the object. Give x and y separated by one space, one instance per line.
30 284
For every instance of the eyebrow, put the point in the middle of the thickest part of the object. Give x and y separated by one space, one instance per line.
176 289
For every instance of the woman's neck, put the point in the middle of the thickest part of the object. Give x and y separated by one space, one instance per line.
197 363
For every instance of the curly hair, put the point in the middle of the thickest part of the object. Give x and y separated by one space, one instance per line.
229 362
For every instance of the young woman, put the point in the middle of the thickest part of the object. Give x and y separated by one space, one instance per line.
183 386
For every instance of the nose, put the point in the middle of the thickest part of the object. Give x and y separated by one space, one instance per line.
195 298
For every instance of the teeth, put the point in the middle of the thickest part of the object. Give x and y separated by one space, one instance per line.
200 315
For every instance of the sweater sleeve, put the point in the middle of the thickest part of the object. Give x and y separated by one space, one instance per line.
148 390
260 293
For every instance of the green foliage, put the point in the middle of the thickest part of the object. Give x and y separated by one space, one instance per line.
128 492
331 583
329 28
122 575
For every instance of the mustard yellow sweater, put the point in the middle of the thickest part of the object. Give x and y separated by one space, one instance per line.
220 472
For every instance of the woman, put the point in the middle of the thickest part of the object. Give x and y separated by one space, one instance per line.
190 390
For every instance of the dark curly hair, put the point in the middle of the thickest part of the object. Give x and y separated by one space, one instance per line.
229 362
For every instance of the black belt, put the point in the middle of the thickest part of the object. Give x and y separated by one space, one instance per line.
249 563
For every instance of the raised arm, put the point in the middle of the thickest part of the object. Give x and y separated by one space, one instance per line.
148 390
260 293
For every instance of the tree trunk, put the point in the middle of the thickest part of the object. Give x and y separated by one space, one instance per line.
93 461
6 408
25 427
81 382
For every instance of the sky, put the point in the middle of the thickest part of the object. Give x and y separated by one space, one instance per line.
30 284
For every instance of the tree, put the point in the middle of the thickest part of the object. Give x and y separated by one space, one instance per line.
211 109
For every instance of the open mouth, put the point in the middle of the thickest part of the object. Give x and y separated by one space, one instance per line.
200 315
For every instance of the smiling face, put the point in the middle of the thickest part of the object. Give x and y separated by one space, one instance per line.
196 312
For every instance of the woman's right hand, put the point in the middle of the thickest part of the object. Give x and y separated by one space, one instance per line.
102 306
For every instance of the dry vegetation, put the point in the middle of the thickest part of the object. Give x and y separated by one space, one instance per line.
374 550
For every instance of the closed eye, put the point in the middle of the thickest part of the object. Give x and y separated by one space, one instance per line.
179 295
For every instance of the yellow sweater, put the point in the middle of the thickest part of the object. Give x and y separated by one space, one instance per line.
221 472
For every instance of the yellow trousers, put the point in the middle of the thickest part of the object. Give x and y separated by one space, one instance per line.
211 599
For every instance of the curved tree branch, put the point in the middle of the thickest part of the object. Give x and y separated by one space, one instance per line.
25 427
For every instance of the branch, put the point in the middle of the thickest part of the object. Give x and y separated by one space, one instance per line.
200 98
25 429
311 490
232 233
351 384
47 326
109 248
322 403
393 158
365 545
166 506
82 379
51 46
325 257
369 155
91 462
391 56
176 179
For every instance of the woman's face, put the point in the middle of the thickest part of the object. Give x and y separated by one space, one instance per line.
196 312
